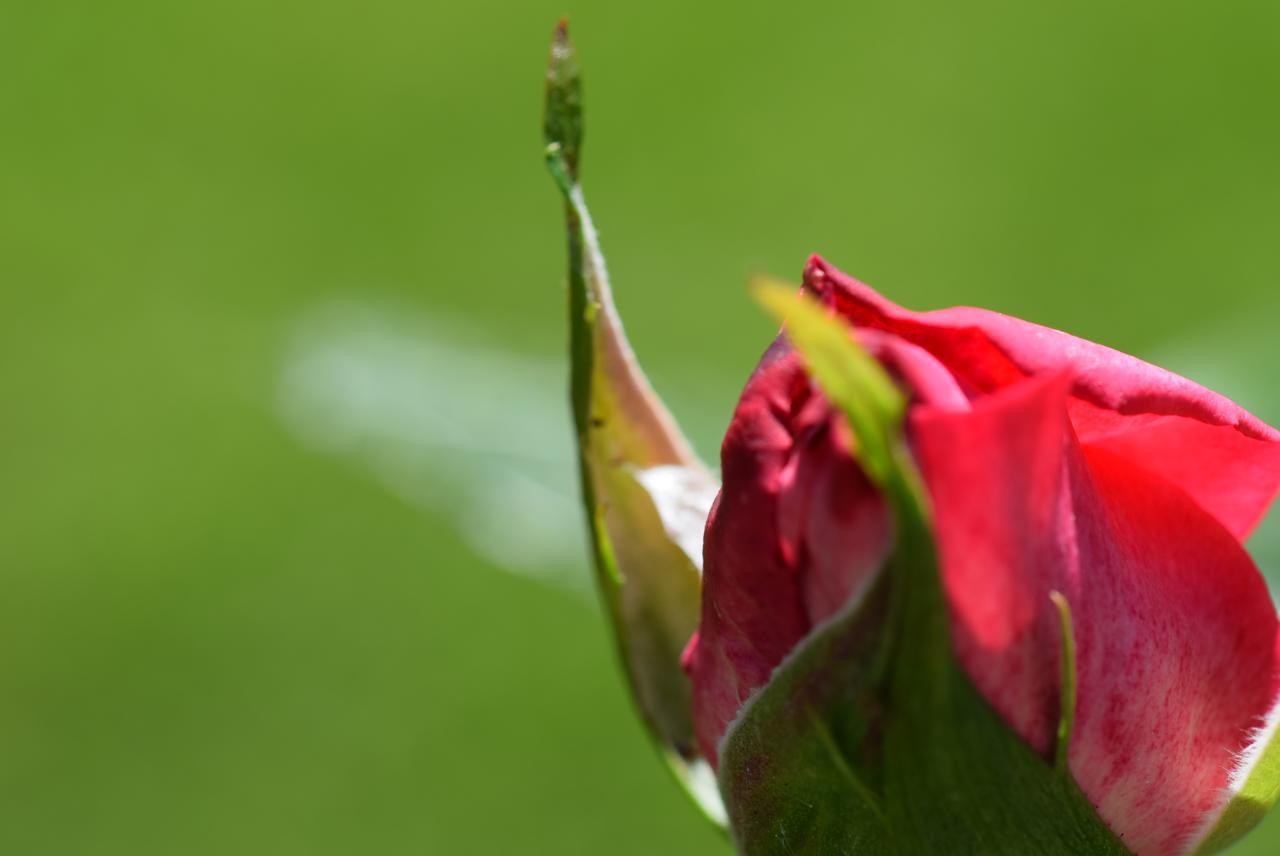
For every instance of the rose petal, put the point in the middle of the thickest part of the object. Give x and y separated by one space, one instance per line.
1221 455
797 530
751 605
1174 627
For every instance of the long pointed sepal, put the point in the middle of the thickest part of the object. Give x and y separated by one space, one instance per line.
646 494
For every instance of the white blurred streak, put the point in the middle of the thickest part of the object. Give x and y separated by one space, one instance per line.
455 426
481 435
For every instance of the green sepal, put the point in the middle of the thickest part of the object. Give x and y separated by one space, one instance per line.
799 766
937 770
649 584
1067 688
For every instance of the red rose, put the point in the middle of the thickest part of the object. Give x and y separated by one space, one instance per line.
1053 464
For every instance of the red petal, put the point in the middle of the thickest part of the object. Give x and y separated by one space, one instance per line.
834 525
751 603
1002 520
1222 456
798 529
1174 626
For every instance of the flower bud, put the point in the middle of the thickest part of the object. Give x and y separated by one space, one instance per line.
1052 468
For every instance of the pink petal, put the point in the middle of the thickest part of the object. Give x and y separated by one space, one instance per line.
1175 629
1002 520
1222 456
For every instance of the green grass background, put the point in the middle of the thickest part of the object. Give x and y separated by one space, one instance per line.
215 639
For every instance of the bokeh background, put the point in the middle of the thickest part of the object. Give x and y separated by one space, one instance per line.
289 554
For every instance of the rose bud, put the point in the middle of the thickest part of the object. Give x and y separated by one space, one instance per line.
971 585
1086 511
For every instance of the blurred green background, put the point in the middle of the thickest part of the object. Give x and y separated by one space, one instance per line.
289 560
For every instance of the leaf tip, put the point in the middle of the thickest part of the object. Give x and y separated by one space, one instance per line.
774 296
562 119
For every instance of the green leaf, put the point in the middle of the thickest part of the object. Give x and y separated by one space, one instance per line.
649 583
936 769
